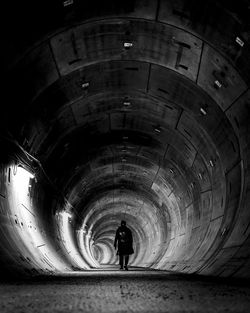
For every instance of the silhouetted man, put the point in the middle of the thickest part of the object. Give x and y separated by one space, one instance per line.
125 244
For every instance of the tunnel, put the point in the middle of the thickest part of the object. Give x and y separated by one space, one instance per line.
132 110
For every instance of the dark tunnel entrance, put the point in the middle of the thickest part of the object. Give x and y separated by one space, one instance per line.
135 110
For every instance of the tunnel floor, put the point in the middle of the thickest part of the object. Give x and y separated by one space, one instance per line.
138 290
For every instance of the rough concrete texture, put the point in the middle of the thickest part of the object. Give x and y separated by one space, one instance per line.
133 291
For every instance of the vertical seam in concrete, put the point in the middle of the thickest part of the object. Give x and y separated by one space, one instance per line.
149 75
166 150
54 59
157 10
178 120
28 209
199 65
74 118
243 264
187 206
172 190
163 158
241 95
196 154
204 191
237 163
159 166
215 218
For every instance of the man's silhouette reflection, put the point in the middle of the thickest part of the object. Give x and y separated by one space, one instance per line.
124 239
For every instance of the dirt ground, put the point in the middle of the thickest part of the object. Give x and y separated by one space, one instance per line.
120 291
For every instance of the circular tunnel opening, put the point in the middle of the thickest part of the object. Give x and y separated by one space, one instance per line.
127 114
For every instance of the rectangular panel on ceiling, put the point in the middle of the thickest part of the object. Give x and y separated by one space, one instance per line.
183 52
119 75
219 79
169 47
86 44
97 41
197 18
175 89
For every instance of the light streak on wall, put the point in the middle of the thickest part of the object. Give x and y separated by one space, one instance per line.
32 239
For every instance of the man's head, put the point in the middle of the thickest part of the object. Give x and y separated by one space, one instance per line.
123 223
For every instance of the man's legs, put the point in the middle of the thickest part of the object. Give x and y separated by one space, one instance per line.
126 261
121 261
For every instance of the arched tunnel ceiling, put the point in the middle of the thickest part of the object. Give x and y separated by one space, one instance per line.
138 110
